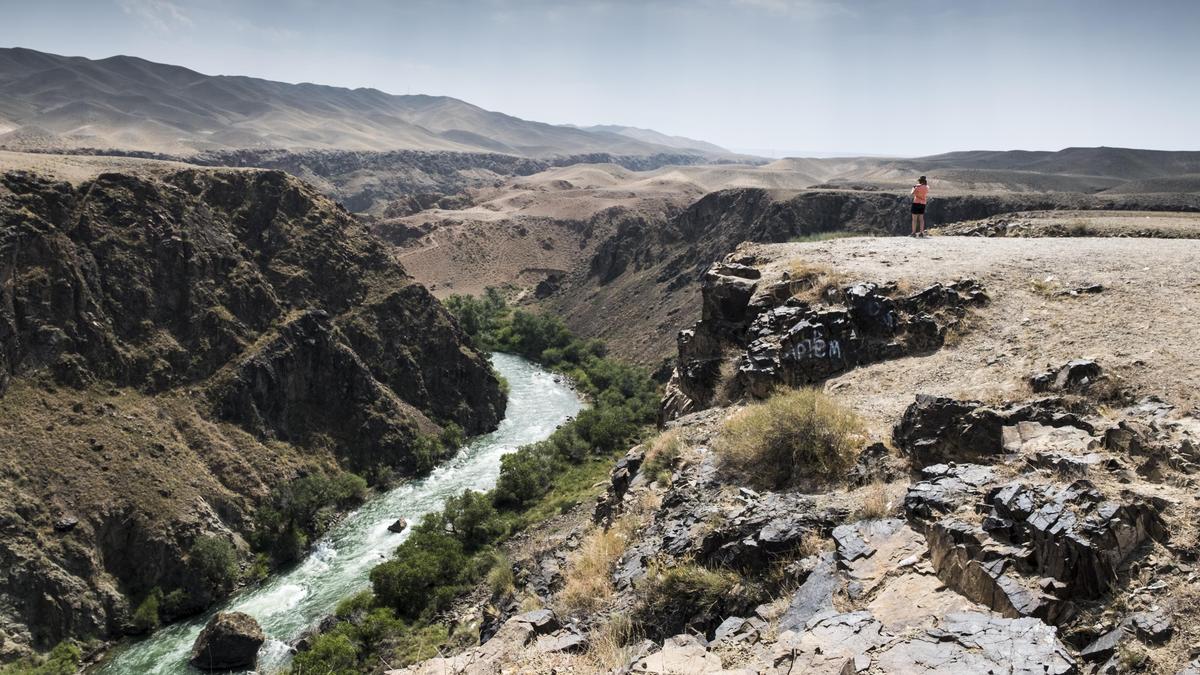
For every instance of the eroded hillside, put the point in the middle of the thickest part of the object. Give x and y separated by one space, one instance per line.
175 346
892 456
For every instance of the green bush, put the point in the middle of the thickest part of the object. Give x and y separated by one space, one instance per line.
790 437
214 562
473 520
62 660
145 617
331 654
412 582
525 475
301 510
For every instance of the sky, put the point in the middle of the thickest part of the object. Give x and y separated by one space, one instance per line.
886 77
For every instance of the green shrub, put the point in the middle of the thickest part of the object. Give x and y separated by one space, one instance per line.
62 660
473 520
355 604
525 475
331 654
145 617
174 604
214 562
301 510
789 437
412 582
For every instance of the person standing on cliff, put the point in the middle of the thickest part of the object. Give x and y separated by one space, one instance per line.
920 194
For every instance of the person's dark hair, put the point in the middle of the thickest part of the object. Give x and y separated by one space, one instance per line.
921 180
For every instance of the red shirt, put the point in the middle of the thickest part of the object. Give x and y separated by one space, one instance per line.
920 192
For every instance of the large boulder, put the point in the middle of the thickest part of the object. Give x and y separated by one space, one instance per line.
230 641
939 429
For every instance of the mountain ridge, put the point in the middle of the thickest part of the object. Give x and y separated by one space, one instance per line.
48 101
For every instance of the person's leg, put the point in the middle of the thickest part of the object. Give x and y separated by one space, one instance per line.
914 224
921 221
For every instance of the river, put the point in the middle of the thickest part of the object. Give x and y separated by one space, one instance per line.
338 565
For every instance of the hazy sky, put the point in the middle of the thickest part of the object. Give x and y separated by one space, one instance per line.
877 76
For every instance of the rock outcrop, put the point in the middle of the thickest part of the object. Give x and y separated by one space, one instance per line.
229 641
786 333
175 343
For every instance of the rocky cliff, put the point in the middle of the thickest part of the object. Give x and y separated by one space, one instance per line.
172 346
1021 499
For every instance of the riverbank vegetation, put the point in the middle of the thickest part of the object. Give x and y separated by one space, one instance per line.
451 551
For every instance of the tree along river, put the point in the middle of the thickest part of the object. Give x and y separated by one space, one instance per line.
339 564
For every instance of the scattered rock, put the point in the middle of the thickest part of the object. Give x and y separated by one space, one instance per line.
682 654
1075 375
229 641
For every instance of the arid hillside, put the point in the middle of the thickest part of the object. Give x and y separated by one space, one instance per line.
177 346
885 455
52 102
633 244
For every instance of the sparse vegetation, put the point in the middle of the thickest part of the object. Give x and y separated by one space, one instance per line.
661 454
689 596
588 579
815 280
876 503
792 436
62 660
823 236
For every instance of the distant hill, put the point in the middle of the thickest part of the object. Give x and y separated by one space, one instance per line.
50 102
658 138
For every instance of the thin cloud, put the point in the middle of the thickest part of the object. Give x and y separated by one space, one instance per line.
798 8
161 15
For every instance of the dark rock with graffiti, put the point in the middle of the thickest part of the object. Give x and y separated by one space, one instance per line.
783 336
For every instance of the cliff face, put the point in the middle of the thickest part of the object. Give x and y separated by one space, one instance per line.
171 347
644 273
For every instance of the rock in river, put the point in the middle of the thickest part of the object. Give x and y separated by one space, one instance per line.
230 641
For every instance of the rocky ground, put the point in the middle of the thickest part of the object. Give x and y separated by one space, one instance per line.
174 343
1024 500
1156 224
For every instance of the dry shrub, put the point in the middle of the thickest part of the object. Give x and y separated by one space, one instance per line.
876 502
1047 287
689 597
791 437
608 644
587 583
815 281
661 455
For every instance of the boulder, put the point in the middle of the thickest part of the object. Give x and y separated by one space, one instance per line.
937 429
229 641
399 526
1076 375
680 655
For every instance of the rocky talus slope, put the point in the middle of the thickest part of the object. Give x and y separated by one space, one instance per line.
172 347
1047 526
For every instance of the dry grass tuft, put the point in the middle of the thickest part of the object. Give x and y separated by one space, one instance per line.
876 502
661 455
815 281
588 581
791 436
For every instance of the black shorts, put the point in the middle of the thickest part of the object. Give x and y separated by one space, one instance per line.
918 209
